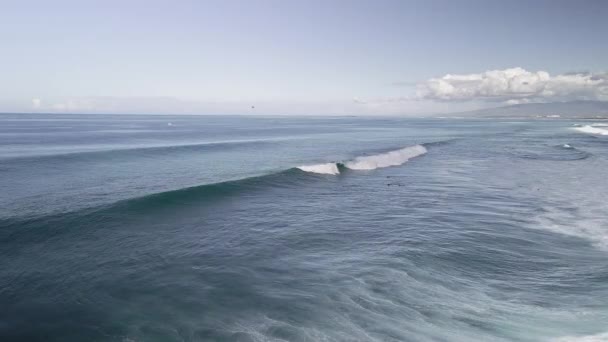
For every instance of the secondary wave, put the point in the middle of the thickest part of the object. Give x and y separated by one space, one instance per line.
115 151
562 152
392 158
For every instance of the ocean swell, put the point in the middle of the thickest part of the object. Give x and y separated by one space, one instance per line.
212 192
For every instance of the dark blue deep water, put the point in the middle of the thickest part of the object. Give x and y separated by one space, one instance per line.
185 228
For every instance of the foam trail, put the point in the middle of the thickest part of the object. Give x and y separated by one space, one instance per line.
592 130
326 169
392 158
585 224
588 338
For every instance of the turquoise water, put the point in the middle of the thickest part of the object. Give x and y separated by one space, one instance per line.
182 228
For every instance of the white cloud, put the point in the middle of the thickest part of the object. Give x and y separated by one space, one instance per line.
515 85
36 103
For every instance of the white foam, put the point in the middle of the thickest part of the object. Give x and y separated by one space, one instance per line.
603 337
392 158
567 146
326 169
592 130
584 223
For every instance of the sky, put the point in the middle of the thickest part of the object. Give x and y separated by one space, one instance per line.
298 57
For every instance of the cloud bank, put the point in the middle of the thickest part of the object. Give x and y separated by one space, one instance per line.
172 105
515 85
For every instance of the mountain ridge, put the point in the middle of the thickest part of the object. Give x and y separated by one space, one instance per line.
571 109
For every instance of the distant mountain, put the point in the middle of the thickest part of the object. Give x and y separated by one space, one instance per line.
573 109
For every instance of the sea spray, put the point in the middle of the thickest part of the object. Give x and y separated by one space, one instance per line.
392 158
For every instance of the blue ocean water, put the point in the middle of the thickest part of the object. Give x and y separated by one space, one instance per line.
186 228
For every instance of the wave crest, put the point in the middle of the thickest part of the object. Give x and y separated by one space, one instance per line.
392 158
592 129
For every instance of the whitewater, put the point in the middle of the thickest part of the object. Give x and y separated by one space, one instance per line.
593 129
372 162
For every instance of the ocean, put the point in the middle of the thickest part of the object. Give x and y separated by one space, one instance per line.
236 228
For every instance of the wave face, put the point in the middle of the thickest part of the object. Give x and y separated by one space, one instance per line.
392 158
592 129
279 179
325 169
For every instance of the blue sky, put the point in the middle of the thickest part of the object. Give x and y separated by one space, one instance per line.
298 57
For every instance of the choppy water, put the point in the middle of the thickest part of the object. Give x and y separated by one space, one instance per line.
151 228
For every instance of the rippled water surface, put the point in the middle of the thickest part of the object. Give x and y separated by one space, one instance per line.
177 228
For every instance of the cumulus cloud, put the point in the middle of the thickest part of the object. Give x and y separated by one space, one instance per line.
516 85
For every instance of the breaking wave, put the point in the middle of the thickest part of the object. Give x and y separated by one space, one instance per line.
372 162
593 129
326 169
215 191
